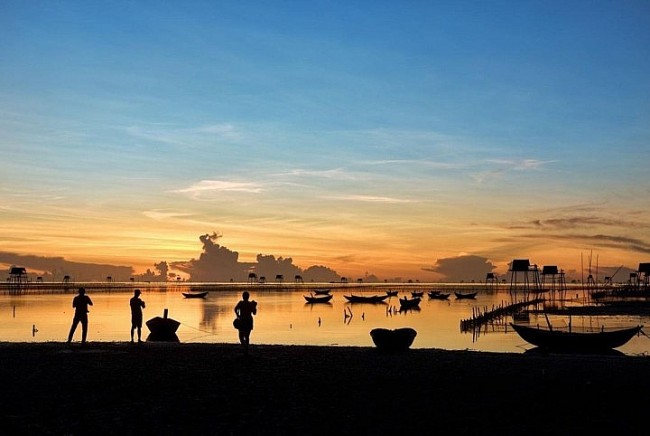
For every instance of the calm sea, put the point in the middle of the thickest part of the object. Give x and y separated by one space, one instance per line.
285 318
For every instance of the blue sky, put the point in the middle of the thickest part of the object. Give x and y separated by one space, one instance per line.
367 136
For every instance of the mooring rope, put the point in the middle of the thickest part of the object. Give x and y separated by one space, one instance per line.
197 329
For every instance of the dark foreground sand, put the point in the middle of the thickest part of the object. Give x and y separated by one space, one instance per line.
160 388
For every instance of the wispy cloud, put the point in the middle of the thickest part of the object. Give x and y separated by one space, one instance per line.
599 240
369 199
520 165
578 222
160 215
507 165
213 186
333 174
414 162
174 135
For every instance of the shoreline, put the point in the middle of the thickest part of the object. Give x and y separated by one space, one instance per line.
178 388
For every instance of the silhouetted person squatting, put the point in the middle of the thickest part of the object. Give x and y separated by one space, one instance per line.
136 314
80 304
245 310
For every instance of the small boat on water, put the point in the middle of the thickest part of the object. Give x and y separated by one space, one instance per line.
563 340
366 298
163 328
437 295
417 294
469 295
312 299
406 303
195 294
322 291
393 340
392 293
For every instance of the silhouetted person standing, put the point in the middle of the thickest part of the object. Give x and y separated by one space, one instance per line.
136 314
245 310
80 304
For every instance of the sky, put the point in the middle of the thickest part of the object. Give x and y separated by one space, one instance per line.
372 137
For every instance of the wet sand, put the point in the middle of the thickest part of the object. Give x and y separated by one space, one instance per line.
195 389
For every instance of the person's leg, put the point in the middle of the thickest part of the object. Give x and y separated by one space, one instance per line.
139 333
84 330
132 328
73 327
245 341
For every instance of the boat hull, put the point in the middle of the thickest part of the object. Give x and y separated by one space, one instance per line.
575 341
195 294
393 340
366 299
405 303
163 327
318 299
439 295
461 296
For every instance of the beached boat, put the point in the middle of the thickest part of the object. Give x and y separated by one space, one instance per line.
195 294
318 298
406 303
164 327
366 298
393 340
437 295
563 340
322 291
460 295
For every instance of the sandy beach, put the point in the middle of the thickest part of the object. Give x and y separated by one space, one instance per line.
175 388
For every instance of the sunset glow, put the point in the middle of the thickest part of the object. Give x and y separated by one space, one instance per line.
374 138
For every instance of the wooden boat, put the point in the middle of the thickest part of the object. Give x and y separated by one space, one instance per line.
195 294
563 340
318 298
417 294
322 291
406 303
366 298
439 295
392 293
164 327
393 340
469 295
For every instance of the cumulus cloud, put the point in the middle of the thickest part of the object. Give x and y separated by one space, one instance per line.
218 263
463 268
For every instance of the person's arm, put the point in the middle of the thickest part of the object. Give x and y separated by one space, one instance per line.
237 310
90 302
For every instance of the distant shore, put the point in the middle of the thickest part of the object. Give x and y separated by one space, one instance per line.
41 287
163 388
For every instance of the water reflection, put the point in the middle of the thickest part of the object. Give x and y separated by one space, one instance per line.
283 318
